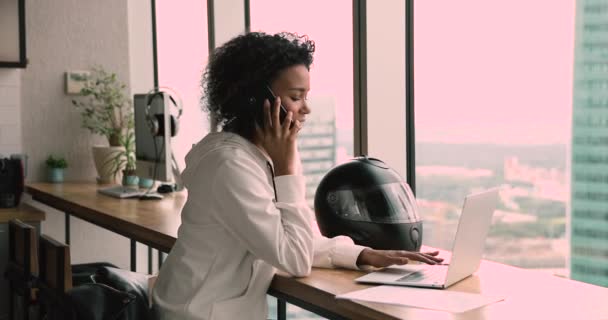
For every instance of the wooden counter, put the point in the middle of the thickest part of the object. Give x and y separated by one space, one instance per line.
528 294
23 212
152 222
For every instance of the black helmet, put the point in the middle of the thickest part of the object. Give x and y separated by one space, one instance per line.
369 202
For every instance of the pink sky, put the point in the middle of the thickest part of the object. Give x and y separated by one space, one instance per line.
329 24
182 55
486 71
494 71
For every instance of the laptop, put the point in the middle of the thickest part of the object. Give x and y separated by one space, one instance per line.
122 192
467 250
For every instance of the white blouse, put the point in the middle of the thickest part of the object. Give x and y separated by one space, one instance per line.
234 234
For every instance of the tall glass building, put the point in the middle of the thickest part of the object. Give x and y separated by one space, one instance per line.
317 143
317 146
589 202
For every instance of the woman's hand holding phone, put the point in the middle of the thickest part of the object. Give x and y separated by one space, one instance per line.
280 139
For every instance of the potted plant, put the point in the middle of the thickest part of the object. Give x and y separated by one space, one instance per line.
55 168
125 160
106 110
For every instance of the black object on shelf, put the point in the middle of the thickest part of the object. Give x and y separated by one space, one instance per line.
165 188
11 182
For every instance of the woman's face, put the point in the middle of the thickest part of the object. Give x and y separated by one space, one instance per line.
292 85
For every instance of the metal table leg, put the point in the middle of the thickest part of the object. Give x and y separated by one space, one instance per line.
149 260
133 255
281 310
67 228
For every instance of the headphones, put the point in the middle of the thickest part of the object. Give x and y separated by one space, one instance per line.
156 121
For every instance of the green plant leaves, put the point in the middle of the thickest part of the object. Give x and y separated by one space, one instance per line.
105 107
56 162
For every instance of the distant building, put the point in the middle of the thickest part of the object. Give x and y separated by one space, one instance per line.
317 143
439 223
589 185
516 171
545 183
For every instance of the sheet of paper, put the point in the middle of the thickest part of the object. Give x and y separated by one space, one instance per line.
451 301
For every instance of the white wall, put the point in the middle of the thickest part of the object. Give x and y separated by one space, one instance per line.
70 35
67 35
10 112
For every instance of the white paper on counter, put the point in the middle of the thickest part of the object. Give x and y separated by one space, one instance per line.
451 301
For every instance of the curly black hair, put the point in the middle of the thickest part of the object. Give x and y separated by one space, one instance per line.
241 66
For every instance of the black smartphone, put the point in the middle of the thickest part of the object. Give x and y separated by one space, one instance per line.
265 93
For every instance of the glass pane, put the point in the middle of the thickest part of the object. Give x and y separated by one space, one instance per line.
182 48
493 97
327 137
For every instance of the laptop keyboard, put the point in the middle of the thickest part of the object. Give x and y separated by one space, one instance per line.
428 275
121 192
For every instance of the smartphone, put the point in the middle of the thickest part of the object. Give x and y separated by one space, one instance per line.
265 93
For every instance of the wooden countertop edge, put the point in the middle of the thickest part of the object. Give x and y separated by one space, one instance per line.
23 212
157 240
324 300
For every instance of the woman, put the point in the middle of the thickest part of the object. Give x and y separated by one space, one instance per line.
246 213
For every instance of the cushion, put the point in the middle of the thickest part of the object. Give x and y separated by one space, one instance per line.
96 301
83 273
130 282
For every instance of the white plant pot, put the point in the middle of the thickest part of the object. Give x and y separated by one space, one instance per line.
103 155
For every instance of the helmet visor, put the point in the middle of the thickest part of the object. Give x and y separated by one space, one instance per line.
386 203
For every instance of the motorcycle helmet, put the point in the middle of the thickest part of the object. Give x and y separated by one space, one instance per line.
369 202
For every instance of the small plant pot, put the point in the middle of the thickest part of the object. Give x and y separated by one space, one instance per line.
145 183
55 175
129 180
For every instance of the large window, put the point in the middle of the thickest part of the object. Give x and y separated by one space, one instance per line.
493 98
182 46
327 137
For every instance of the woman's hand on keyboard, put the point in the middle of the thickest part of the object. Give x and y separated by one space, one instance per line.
385 258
